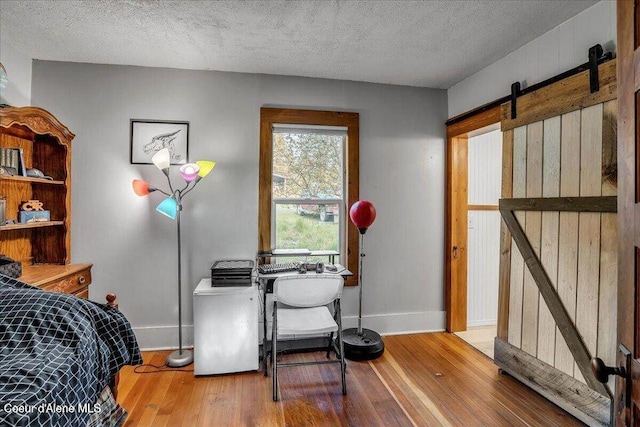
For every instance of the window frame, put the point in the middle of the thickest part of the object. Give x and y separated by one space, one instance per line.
271 116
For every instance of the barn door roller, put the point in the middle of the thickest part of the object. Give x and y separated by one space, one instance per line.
596 57
515 93
595 52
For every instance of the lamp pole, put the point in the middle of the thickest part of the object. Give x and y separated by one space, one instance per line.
171 207
179 357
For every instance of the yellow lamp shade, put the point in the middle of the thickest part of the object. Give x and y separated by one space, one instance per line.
206 166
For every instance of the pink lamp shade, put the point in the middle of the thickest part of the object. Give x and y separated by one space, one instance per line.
142 188
189 171
362 214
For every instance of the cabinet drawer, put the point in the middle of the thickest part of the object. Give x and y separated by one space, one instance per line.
72 283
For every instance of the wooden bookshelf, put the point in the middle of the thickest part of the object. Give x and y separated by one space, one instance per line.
10 227
44 247
28 179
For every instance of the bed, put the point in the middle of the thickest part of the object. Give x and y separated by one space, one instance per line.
59 358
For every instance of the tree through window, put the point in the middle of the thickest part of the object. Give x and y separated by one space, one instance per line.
308 187
308 180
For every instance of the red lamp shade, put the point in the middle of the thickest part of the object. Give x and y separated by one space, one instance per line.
141 187
362 215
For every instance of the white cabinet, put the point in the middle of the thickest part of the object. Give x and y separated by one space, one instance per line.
225 329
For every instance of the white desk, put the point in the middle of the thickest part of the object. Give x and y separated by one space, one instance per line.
225 329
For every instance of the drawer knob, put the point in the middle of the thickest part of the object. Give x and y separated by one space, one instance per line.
81 280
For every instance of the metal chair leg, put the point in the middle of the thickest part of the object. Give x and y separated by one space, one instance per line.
343 366
330 345
266 357
274 353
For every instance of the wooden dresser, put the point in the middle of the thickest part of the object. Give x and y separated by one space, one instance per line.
44 248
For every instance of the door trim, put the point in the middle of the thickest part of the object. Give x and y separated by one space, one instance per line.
456 215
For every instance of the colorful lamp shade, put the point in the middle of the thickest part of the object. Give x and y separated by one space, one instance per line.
206 166
162 159
171 207
142 188
362 214
189 171
168 207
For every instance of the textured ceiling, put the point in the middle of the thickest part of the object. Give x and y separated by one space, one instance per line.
416 43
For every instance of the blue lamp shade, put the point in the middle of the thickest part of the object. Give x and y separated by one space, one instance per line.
168 207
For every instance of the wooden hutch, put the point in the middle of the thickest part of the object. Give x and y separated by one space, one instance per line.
44 248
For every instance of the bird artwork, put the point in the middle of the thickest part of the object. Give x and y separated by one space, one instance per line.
159 142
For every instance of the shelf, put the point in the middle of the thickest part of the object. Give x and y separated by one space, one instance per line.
30 179
295 252
46 145
30 225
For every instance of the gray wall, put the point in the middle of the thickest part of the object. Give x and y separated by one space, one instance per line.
133 248
18 67
558 50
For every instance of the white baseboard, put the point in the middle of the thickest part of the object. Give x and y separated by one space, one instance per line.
482 322
152 338
400 323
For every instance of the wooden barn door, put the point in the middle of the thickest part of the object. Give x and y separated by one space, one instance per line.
627 397
559 248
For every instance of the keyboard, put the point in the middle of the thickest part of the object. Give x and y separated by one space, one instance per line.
278 268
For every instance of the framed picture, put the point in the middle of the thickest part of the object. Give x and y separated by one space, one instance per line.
150 136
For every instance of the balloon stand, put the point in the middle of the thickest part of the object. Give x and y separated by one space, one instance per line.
360 343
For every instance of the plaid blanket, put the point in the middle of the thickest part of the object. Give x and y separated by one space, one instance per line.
57 353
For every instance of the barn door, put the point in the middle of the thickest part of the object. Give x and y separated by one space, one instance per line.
559 249
627 397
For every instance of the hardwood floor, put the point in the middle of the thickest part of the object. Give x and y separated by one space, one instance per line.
431 379
480 337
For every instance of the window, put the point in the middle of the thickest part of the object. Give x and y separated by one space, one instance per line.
308 181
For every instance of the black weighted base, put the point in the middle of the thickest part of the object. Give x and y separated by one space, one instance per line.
365 346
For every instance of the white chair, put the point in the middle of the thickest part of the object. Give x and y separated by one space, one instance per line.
300 308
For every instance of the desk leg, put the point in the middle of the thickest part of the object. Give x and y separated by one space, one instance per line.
264 336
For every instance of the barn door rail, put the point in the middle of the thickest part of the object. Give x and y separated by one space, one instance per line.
550 295
596 57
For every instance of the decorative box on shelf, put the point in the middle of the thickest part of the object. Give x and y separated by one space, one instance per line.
34 216
33 211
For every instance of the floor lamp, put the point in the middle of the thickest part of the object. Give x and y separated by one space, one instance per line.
360 343
171 207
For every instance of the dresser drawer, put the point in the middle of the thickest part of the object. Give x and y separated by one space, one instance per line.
73 283
83 293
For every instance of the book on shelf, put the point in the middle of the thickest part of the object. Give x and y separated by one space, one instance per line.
23 169
13 158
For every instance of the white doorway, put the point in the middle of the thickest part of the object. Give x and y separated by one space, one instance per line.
483 244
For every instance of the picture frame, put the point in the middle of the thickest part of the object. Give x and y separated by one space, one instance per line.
150 136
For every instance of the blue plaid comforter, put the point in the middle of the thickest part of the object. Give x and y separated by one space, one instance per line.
57 353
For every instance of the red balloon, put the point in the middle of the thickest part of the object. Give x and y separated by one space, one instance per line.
362 214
